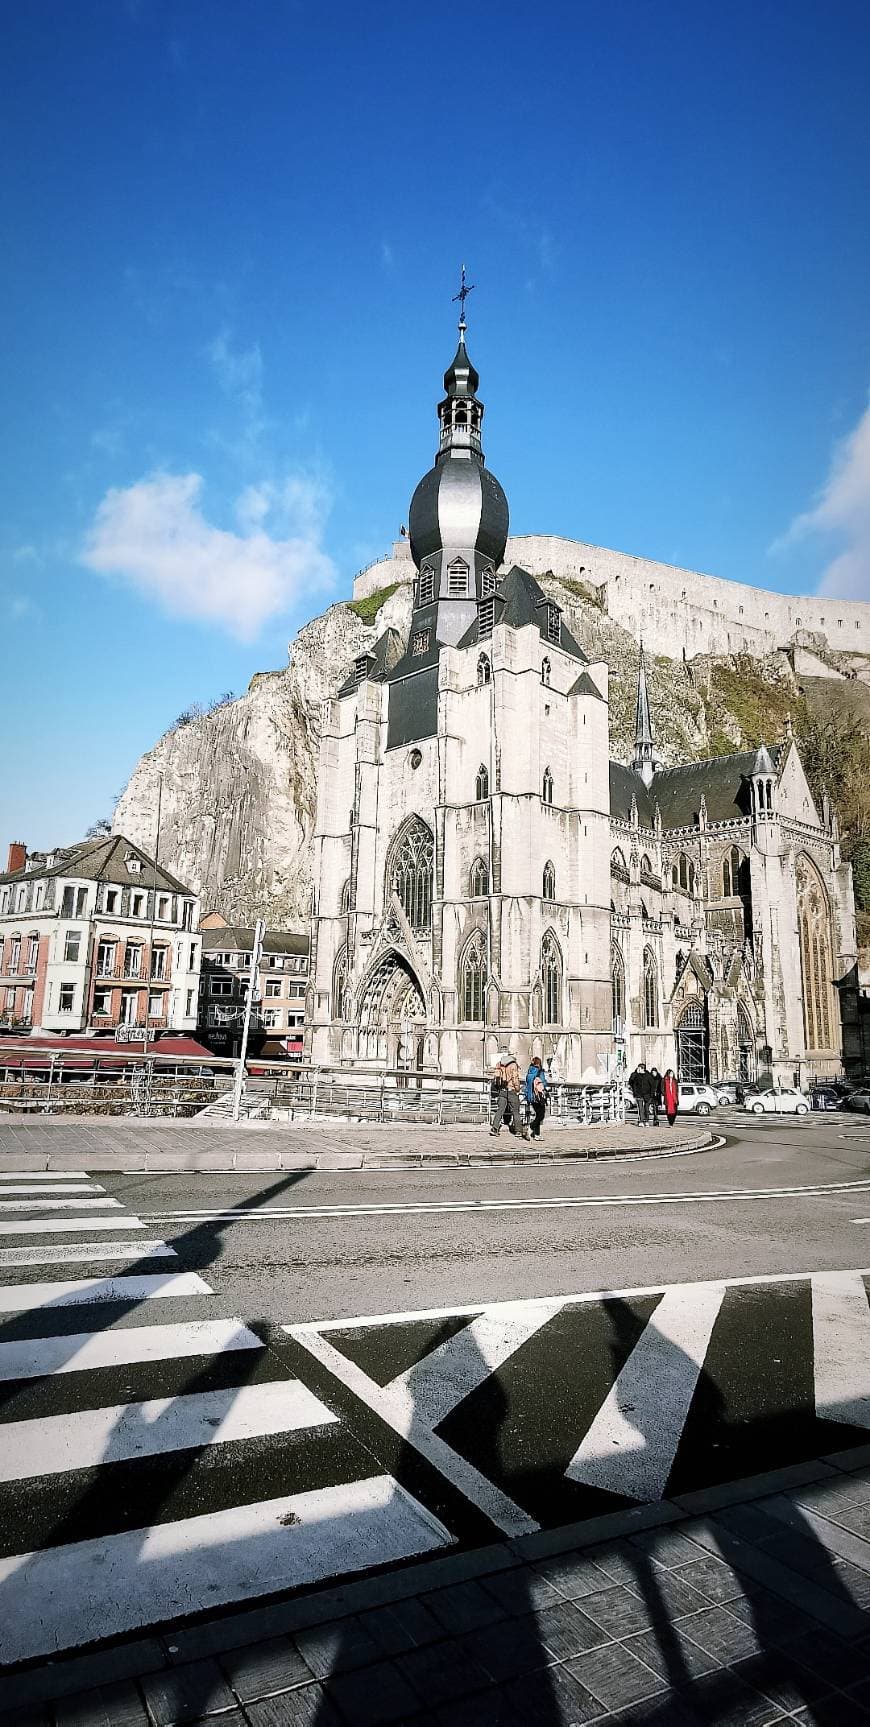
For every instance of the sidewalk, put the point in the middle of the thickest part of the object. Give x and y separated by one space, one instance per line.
739 1604
121 1142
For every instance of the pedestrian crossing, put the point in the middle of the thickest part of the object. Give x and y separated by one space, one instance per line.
157 1456
549 1411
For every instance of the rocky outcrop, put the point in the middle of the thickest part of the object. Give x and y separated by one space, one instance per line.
239 784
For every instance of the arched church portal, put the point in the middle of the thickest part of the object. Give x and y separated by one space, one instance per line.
392 1019
693 1043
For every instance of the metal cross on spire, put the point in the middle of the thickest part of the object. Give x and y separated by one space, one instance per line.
462 296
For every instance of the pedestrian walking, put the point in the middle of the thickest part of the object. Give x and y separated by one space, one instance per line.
639 1086
536 1089
506 1094
655 1094
671 1095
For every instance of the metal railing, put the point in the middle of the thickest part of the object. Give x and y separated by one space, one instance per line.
443 1100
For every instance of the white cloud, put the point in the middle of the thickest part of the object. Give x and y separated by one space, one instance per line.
388 256
842 512
153 536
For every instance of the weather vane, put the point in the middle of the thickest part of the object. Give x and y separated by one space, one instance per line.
462 296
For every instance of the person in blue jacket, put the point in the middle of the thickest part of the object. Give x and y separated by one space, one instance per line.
536 1095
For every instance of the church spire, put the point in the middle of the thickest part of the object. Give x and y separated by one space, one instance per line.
646 760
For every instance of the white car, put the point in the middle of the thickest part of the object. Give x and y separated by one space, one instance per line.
788 1101
696 1099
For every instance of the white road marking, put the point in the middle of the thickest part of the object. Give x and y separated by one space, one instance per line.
726 1195
476 1307
43 1175
57 1204
440 1381
631 1445
41 1225
79 1252
88 1437
841 1340
22 1297
82 1187
65 1596
35 1357
395 1408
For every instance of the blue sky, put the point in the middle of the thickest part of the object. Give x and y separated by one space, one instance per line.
231 237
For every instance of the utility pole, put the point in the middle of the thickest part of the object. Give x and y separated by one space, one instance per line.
149 964
249 1002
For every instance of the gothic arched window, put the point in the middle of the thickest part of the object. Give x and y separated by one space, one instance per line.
345 899
472 982
814 928
478 884
618 865
481 784
650 989
683 874
340 1002
546 669
617 984
551 973
732 869
549 883
484 671
547 791
409 872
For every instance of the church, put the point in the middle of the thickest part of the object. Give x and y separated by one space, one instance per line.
487 877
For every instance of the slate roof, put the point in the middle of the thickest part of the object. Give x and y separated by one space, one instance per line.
585 687
385 653
235 938
723 782
625 784
520 600
100 860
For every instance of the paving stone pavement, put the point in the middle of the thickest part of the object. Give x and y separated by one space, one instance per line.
102 1143
746 1604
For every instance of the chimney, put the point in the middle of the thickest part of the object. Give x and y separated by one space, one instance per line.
17 856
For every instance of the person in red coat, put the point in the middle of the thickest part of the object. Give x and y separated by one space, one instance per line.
671 1095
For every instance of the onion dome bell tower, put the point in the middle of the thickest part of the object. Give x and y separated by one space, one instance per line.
458 525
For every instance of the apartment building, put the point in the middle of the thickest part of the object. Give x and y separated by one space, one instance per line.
96 937
278 1009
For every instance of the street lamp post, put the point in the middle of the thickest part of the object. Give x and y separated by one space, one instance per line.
249 1002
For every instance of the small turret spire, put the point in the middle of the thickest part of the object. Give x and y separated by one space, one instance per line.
646 760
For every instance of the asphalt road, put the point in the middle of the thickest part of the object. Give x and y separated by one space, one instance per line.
322 1245
216 1388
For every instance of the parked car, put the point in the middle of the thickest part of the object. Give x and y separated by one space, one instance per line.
858 1100
788 1101
696 1099
825 1097
728 1091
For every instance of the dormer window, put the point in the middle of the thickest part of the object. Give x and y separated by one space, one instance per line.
488 583
554 624
485 618
361 669
134 864
419 643
457 580
426 587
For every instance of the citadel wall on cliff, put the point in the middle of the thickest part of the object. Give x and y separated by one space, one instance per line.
678 613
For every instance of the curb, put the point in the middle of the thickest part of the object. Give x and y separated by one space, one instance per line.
134 1162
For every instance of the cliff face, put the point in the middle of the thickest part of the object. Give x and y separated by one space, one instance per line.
239 784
